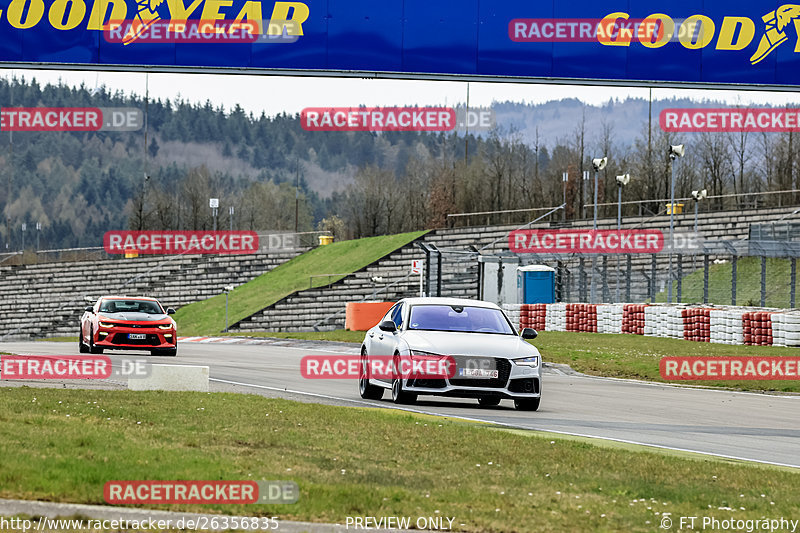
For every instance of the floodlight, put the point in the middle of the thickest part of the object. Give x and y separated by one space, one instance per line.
623 179
699 195
676 150
599 163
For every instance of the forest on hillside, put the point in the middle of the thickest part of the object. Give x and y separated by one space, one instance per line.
77 185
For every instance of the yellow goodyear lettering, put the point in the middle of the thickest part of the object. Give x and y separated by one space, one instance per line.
99 14
689 28
17 7
609 35
293 23
657 25
73 10
727 31
252 12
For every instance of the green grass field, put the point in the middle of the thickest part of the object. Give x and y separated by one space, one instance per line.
748 286
64 445
208 316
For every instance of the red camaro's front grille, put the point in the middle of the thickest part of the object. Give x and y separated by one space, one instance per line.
122 338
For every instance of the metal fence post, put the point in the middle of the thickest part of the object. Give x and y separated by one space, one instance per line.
793 280
705 278
606 295
653 280
581 280
763 281
680 276
733 279
628 279
559 281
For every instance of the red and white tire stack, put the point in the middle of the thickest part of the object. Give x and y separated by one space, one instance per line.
556 318
696 324
633 318
757 326
582 317
533 316
726 326
609 318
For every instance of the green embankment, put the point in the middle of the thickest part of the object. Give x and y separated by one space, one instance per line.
208 316
748 283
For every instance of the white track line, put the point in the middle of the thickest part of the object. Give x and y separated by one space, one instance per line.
512 426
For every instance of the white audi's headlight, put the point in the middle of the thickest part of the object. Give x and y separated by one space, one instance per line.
421 353
532 361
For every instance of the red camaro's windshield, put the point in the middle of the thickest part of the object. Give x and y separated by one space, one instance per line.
131 306
459 318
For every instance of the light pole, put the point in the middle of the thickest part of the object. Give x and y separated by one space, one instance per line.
622 181
598 164
677 150
38 231
24 227
583 194
564 180
230 216
213 203
698 196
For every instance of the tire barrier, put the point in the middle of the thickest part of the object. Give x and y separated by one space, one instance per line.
582 317
721 325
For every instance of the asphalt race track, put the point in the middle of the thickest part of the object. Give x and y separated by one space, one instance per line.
750 426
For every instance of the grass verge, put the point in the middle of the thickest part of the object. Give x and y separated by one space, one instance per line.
637 357
208 316
63 445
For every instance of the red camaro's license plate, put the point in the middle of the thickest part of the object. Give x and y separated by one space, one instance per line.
137 336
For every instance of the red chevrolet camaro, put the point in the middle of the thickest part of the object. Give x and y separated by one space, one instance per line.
125 323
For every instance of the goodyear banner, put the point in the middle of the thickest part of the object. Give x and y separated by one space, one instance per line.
711 42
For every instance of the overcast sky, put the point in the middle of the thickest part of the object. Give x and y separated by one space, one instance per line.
276 94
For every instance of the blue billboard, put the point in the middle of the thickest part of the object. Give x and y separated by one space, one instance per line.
621 41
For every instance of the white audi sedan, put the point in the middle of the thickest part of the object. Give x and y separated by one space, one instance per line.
490 360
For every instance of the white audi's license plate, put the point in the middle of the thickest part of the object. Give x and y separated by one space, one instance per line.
477 373
137 336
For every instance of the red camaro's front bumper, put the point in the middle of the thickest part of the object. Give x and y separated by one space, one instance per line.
135 336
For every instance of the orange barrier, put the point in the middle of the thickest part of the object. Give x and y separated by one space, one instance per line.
360 316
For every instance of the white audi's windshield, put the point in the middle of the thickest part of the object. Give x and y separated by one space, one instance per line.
464 319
